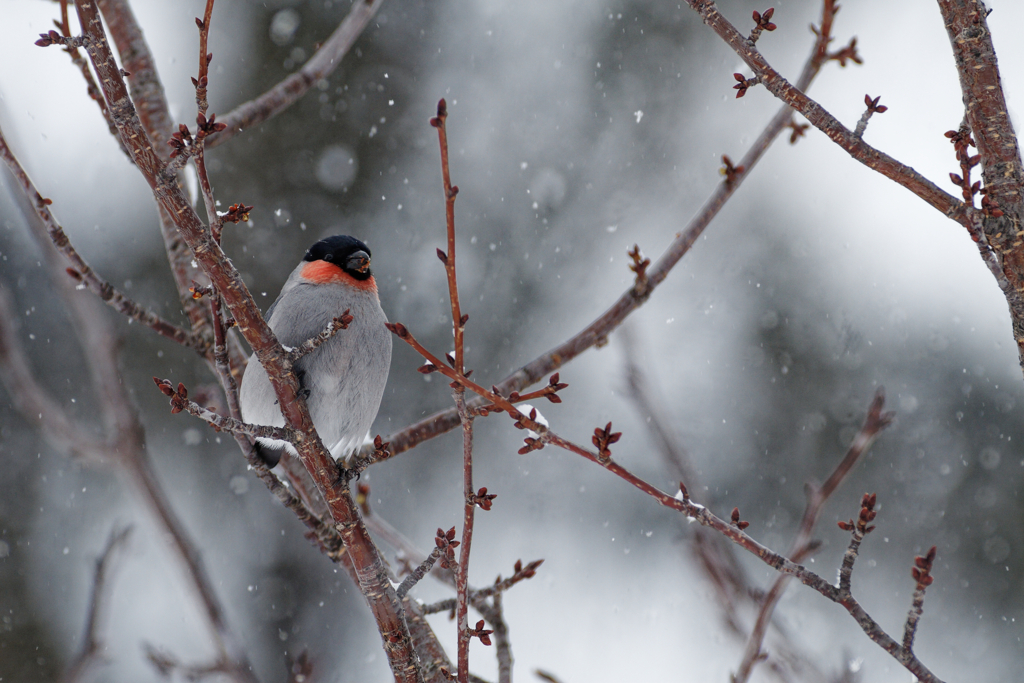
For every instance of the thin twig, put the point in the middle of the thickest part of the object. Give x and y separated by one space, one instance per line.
336 325
802 545
204 58
922 573
91 639
418 573
373 578
459 394
180 401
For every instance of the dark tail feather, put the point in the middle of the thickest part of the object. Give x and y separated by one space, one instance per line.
270 456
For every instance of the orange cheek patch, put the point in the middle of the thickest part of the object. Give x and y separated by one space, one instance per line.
323 272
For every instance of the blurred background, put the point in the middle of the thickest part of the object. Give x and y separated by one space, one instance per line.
577 129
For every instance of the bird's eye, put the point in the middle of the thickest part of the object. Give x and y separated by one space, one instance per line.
328 257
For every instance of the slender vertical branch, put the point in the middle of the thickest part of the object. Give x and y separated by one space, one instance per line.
466 420
450 192
462 578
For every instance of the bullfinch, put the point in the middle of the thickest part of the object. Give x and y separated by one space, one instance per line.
343 379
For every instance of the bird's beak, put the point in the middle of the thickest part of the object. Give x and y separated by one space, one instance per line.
359 262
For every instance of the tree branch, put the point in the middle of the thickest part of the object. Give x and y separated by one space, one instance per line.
596 333
288 91
91 639
803 545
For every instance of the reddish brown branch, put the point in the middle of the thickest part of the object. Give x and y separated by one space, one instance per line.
596 333
985 104
987 118
699 513
373 579
205 57
468 521
922 573
465 418
448 259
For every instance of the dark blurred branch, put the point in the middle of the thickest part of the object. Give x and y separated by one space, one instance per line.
122 444
288 91
803 545
596 333
713 554
1000 221
91 643
372 575
33 401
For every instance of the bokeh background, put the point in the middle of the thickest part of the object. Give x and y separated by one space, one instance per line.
577 129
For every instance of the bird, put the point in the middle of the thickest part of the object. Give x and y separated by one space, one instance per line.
343 379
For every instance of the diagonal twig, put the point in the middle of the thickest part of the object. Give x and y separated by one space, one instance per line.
288 91
92 643
802 545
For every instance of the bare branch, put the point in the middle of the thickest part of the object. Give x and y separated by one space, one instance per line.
803 545
288 91
50 229
366 560
91 639
596 333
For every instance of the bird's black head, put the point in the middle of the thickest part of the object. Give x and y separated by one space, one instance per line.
348 253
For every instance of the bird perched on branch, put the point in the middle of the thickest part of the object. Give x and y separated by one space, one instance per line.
343 379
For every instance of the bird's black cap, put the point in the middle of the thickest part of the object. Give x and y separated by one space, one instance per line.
337 250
